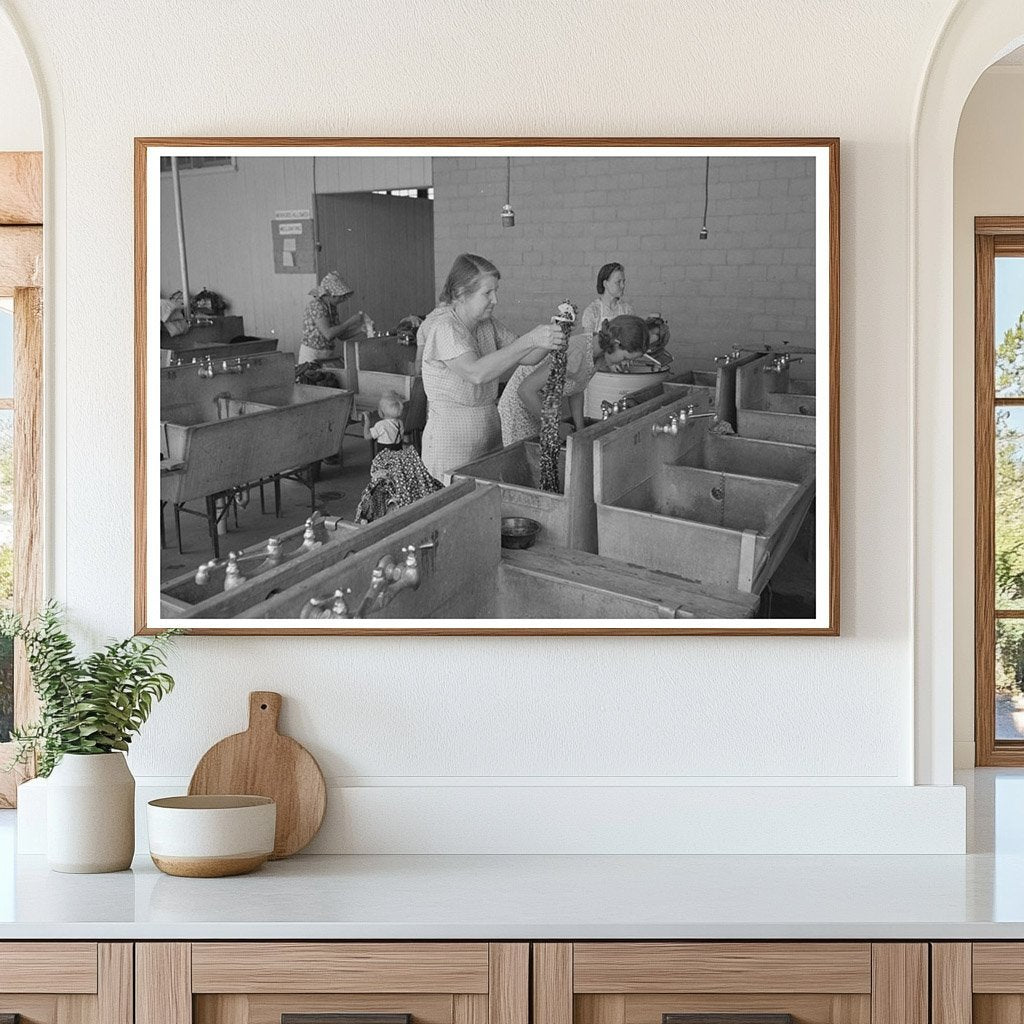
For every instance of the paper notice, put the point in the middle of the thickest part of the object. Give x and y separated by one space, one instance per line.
289 244
288 259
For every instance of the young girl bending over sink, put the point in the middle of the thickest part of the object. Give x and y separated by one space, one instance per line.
621 339
397 474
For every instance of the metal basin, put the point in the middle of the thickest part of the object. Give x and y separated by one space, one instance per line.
802 387
280 429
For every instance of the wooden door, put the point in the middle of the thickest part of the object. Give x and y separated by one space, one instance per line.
383 246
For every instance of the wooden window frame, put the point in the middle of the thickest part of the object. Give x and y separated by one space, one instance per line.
21 278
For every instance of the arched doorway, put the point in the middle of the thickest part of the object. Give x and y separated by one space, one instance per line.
977 33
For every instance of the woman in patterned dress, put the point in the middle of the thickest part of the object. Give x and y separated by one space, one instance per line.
463 350
322 325
621 339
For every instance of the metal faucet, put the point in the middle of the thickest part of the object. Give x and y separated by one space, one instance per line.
780 363
333 607
269 557
388 578
678 420
735 354
611 408
208 370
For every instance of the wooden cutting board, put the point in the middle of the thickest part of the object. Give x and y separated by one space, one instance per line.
262 762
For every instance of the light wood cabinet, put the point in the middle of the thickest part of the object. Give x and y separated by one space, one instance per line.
753 982
261 982
66 982
978 983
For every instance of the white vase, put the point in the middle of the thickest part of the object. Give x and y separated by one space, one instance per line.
90 814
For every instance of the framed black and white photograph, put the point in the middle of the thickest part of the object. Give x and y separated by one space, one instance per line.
455 386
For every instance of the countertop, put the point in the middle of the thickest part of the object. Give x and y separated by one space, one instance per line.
979 895
517 897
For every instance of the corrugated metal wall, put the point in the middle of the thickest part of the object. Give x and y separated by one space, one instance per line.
227 229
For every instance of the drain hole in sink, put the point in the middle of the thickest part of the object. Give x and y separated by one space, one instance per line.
718 492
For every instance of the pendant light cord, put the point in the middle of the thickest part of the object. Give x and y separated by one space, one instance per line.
707 174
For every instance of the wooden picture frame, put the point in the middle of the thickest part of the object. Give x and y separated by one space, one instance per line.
773 223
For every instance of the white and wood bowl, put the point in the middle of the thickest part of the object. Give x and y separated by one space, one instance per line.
211 836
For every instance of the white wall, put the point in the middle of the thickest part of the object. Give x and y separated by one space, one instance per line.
987 182
21 127
450 713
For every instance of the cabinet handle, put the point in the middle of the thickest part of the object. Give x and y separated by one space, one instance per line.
727 1018
337 1018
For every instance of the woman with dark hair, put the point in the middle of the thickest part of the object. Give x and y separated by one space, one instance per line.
621 339
463 351
611 286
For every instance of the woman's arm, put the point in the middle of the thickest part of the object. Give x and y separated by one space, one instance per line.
576 410
483 369
530 390
323 325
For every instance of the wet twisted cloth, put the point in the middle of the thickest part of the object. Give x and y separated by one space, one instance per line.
551 403
397 478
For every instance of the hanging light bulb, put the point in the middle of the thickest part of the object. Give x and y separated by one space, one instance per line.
704 222
508 215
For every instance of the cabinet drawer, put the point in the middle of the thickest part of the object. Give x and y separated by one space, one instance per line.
333 983
633 967
66 967
340 967
730 983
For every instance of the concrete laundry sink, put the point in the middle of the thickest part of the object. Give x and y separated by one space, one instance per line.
727 453
772 406
718 510
237 439
568 519
463 573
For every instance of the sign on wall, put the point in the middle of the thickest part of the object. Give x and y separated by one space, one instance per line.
294 248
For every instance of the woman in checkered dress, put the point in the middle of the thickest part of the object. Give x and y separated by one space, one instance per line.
463 351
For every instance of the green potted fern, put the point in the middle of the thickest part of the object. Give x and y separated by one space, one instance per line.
89 709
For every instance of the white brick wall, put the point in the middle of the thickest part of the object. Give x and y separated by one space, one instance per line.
751 282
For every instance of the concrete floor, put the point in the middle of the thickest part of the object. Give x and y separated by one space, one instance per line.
337 494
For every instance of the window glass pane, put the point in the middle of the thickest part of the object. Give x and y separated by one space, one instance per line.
1009 679
6 566
6 353
1009 482
1009 320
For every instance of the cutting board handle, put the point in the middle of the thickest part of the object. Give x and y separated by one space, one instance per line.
264 710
